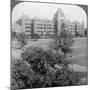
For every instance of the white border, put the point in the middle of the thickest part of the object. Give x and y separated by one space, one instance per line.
5 44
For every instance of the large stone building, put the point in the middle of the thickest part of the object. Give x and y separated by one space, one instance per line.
26 24
76 27
45 27
59 19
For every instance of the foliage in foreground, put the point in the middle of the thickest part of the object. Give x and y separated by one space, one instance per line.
39 69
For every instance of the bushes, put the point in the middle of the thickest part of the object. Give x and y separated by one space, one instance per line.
38 69
22 76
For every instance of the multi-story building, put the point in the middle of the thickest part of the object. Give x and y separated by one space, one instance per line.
76 27
26 25
59 19
45 27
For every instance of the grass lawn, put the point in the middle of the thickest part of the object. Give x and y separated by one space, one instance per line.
82 76
79 55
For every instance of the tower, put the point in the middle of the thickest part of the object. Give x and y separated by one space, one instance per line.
59 18
82 28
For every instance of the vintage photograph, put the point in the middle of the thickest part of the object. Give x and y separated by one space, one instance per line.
49 44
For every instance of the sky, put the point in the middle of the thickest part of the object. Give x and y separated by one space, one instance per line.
44 10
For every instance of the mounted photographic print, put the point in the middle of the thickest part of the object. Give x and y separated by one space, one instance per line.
49 44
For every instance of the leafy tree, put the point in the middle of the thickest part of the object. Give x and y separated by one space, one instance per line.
22 38
22 75
37 69
44 63
19 21
76 33
64 42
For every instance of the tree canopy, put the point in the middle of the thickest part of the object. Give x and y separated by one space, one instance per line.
64 42
39 69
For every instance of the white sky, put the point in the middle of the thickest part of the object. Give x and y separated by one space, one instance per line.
47 10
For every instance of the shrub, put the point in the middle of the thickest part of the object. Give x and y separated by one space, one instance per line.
22 76
38 69
22 39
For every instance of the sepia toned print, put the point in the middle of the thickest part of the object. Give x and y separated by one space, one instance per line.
48 45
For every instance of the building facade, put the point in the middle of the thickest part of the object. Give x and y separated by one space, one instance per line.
26 25
76 28
43 27
50 28
59 19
